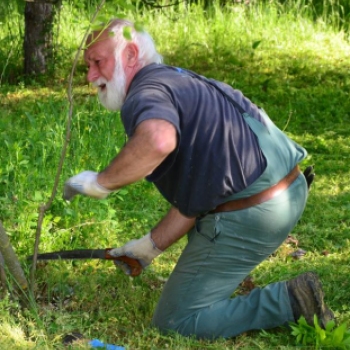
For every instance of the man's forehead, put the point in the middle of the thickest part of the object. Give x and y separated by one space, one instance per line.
99 42
98 36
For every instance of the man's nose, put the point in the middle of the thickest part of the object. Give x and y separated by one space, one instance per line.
92 74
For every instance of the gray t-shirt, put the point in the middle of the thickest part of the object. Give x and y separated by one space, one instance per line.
217 154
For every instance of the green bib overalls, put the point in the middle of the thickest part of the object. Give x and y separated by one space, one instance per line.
223 248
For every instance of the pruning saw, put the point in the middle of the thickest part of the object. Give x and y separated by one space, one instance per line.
104 254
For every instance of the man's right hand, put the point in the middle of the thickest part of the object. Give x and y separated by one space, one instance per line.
309 175
84 183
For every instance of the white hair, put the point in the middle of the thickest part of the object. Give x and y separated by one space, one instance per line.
147 50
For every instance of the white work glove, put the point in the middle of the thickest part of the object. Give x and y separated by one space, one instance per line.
84 183
144 250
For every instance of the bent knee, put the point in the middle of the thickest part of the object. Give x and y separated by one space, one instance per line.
165 323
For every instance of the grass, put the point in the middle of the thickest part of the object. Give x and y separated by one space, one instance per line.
285 60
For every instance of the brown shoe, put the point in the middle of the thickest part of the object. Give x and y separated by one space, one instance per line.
306 298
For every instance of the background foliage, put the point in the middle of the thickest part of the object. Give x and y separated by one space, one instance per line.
291 57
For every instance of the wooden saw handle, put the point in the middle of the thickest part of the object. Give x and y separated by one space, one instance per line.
135 266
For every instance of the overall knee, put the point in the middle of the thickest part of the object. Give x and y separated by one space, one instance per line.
166 322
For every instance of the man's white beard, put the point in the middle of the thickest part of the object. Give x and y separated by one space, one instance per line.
112 96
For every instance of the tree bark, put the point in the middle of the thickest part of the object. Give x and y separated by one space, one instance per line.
2 273
38 37
11 261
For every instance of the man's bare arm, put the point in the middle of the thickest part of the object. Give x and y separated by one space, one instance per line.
152 142
171 228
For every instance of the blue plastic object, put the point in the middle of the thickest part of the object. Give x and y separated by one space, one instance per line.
95 343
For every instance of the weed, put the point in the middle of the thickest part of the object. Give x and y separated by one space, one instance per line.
331 336
294 65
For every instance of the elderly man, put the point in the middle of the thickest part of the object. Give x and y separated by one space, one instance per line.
230 175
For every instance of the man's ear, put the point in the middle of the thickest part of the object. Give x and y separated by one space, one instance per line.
131 54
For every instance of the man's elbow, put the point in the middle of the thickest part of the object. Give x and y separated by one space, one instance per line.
159 137
164 145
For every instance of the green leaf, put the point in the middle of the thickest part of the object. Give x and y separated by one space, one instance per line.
322 335
100 23
37 196
256 44
330 325
120 15
299 338
102 19
123 191
139 27
121 198
295 331
127 33
302 321
338 334
129 7
57 219
97 27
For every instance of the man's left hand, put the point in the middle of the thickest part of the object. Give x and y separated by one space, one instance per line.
144 250
84 183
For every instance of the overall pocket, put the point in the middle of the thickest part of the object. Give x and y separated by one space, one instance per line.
208 227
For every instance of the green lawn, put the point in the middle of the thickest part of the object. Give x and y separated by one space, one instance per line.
285 60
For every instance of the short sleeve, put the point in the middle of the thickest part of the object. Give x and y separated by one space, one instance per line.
149 103
152 103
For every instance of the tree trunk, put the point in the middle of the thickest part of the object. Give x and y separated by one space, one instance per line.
38 43
10 259
2 273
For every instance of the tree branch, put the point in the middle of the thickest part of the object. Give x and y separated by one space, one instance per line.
154 5
43 208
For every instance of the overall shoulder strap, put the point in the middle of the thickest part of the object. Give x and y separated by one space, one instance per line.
212 83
